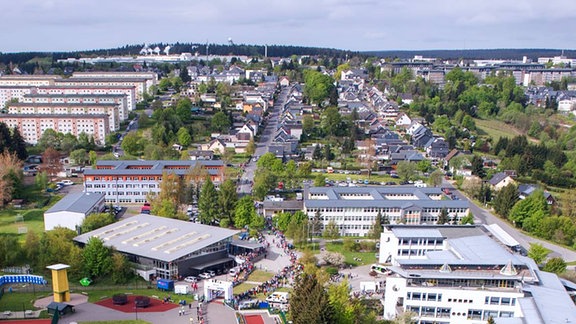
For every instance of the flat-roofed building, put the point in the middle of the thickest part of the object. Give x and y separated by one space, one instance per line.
32 126
28 80
354 209
13 93
140 84
72 209
458 274
128 182
128 91
82 109
165 247
151 77
119 100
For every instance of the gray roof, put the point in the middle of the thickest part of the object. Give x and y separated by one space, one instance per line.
77 202
375 197
551 299
408 232
159 238
497 178
156 167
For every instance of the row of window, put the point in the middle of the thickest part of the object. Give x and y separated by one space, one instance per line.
385 211
128 186
443 312
423 296
493 300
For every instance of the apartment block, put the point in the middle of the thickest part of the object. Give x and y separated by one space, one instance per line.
32 126
39 109
118 100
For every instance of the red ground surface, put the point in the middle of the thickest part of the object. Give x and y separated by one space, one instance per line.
253 319
156 305
30 321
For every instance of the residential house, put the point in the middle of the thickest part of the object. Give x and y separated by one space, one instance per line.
501 180
403 121
216 145
525 190
437 148
200 155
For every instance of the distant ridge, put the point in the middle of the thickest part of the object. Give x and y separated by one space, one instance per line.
496 54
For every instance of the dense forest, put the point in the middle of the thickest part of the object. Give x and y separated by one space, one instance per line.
214 49
496 54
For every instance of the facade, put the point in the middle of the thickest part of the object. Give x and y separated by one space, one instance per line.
458 274
151 77
28 80
140 84
71 210
129 182
32 126
354 209
13 93
82 109
167 248
119 100
128 91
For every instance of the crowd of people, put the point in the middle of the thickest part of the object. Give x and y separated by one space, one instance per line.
285 277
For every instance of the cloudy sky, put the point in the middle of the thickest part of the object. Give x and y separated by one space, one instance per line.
58 25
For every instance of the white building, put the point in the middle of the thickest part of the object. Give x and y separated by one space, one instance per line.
128 91
119 100
33 126
140 84
71 210
354 209
458 274
81 109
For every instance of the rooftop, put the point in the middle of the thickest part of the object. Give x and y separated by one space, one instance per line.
159 238
77 202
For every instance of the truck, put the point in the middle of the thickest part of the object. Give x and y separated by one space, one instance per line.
165 284
145 209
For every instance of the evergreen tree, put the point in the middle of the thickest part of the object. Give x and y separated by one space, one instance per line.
478 167
443 217
18 145
227 199
505 200
208 202
309 302
97 258
317 154
376 230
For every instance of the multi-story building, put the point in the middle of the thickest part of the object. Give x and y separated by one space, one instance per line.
132 181
141 84
458 274
32 126
128 91
54 108
354 209
13 94
151 77
28 80
119 100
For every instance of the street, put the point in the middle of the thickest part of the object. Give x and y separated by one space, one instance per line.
245 186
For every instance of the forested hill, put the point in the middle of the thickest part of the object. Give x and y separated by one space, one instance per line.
213 49
496 54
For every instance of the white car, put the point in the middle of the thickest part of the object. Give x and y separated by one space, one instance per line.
67 182
191 279
205 275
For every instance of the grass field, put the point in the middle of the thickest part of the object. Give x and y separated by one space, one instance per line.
242 288
366 257
260 276
495 129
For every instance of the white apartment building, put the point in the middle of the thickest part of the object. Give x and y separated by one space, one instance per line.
28 80
111 110
354 209
13 93
128 91
141 84
118 100
458 274
32 126
540 77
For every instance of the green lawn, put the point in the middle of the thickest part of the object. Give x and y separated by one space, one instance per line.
242 288
260 276
366 257
495 129
17 301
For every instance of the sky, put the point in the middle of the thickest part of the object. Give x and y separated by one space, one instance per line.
358 25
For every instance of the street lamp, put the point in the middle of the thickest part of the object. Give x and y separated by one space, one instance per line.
136 309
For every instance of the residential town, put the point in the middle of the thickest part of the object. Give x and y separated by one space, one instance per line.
422 190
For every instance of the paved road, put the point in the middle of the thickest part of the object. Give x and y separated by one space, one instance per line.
484 216
265 140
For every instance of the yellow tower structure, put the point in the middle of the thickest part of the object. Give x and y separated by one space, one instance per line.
60 282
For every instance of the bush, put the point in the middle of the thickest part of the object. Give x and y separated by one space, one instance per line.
331 270
351 245
42 202
368 246
224 223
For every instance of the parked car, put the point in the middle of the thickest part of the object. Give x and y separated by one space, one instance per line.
212 273
191 279
67 182
205 275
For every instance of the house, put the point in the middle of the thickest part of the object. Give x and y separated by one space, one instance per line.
403 121
216 145
71 210
437 148
200 155
501 180
525 190
284 81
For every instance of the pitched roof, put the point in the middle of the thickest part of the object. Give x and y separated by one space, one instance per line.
77 202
